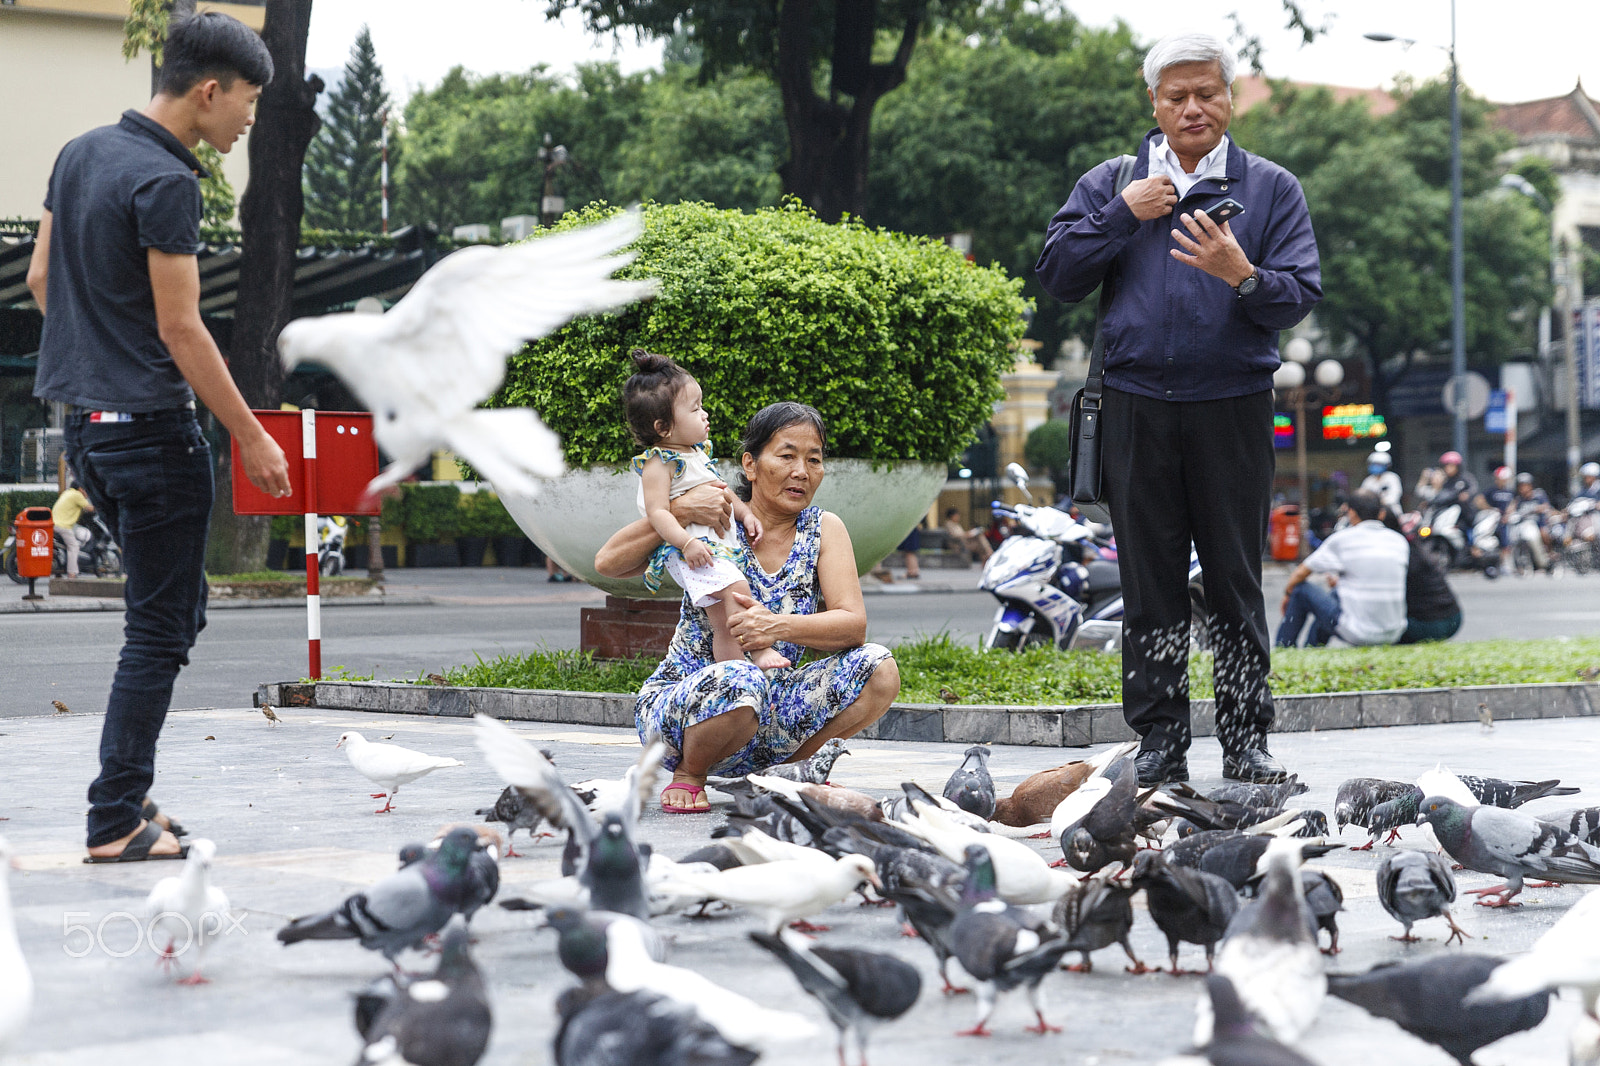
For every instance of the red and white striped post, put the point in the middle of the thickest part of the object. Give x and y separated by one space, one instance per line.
308 445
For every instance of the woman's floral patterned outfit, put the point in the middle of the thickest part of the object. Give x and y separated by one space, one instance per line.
791 704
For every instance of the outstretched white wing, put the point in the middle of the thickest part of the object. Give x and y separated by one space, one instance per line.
452 332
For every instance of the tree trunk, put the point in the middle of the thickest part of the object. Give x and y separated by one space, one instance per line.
829 143
269 214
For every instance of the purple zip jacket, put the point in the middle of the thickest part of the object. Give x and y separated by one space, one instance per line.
1172 331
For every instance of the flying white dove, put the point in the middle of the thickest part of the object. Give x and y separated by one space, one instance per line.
424 367
389 765
188 910
16 983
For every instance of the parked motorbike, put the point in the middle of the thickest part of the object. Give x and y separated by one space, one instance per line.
1054 589
330 544
100 556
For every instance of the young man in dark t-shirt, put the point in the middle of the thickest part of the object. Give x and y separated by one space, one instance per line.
124 347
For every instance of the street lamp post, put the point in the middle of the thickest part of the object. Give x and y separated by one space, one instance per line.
551 205
1458 300
1290 381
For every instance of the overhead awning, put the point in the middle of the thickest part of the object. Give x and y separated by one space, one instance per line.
327 277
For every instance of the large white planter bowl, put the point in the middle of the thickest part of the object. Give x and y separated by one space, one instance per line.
574 515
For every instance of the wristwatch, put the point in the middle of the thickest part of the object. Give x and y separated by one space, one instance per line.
1249 285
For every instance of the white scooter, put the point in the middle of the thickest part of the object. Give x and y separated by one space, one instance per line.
1049 595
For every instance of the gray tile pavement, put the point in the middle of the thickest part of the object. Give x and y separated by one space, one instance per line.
295 832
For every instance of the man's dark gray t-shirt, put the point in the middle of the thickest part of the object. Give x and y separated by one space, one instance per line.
115 193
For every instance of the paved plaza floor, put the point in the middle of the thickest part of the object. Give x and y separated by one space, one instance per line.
295 832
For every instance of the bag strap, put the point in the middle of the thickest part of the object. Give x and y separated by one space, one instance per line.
1092 386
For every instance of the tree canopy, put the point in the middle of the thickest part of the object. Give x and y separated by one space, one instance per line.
343 188
1379 193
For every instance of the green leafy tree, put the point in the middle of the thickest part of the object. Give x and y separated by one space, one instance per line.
1379 193
994 130
472 142
343 172
832 61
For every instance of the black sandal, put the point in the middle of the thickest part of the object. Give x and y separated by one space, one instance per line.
150 812
138 849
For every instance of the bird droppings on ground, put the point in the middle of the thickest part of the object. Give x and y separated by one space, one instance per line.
299 846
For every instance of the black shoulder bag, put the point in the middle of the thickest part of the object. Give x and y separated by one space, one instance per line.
1084 463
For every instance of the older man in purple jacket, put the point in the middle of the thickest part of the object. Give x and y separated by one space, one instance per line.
1191 341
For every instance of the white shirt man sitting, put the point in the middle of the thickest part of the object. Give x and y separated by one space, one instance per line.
1369 561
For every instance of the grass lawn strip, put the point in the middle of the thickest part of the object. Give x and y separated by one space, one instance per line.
1046 676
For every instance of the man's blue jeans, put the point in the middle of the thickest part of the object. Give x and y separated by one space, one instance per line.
150 479
1309 601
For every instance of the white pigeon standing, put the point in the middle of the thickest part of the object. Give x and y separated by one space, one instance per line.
425 366
389 765
16 983
786 890
188 911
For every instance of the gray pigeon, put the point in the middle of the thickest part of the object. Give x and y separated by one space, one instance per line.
812 771
442 1020
1353 803
1583 823
1095 915
1492 840
397 912
1270 954
1259 795
1235 1039
858 989
600 1027
1105 833
1325 899
1000 946
1413 885
1188 906
1425 999
516 811
526 769
970 787
1511 794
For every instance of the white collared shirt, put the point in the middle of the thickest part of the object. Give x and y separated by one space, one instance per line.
1163 160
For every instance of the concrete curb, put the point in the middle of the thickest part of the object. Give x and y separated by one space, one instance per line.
76 603
1062 726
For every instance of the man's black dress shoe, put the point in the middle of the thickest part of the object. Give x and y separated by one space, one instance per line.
1159 767
1254 765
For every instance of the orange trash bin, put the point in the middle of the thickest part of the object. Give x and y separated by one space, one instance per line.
36 533
1283 533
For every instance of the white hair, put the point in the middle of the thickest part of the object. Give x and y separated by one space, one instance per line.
1187 48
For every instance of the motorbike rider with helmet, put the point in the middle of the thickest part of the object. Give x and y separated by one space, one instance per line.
1382 482
1456 486
1590 473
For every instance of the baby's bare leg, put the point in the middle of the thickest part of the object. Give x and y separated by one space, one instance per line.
723 644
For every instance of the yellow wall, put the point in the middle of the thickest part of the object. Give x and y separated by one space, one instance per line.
61 74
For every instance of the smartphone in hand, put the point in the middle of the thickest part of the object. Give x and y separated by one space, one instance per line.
1224 209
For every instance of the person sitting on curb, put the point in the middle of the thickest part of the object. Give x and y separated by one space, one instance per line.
971 540
1432 610
1369 606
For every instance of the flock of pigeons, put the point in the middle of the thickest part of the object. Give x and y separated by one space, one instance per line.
1221 871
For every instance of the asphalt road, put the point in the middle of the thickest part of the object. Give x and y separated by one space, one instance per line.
71 656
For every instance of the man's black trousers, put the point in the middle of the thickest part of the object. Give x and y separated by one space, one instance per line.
1175 473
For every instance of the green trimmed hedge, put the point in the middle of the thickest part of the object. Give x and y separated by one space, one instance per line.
13 502
899 341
